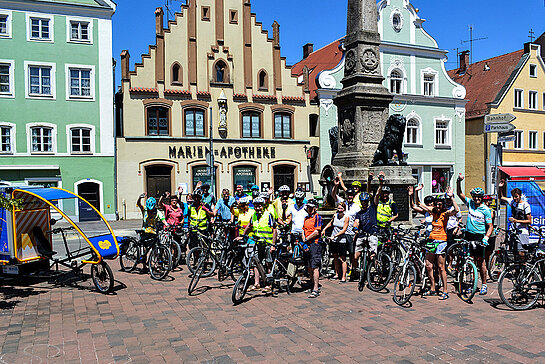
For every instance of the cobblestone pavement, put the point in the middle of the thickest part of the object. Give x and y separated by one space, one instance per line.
148 321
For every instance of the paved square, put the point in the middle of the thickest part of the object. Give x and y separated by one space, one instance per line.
150 321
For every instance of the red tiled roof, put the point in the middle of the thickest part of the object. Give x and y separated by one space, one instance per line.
265 97
183 92
483 86
143 89
325 58
293 98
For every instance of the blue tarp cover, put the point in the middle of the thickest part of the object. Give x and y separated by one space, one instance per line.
49 194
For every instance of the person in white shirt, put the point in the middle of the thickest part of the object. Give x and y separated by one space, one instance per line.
296 214
521 214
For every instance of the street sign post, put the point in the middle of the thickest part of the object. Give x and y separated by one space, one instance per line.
499 118
498 127
505 139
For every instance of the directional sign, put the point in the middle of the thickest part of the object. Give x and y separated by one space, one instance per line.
499 118
505 139
498 127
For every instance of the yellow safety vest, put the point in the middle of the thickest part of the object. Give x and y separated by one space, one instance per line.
384 213
244 219
261 227
198 218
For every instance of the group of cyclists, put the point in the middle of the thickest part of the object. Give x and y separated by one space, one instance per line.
360 219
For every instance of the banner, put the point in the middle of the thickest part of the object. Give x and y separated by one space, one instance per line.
535 197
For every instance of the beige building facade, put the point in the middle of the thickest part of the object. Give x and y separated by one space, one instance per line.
213 70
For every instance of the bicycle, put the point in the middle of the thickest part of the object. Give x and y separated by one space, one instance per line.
412 273
367 255
166 238
278 277
147 249
505 254
466 270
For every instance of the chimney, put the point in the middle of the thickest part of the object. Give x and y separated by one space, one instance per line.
464 62
306 74
307 49
125 57
159 21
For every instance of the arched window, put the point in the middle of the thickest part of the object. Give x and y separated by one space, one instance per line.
176 74
157 120
220 72
413 131
396 81
263 80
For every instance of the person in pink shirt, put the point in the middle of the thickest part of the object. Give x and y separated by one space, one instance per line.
174 214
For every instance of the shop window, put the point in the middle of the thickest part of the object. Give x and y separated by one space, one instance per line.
440 179
244 176
282 126
194 123
202 174
251 124
284 175
157 120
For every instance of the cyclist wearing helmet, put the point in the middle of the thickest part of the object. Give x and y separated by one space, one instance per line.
254 194
313 253
151 216
415 205
296 215
198 218
239 192
264 227
479 227
437 242
208 199
282 203
243 214
489 249
386 207
521 215
366 222
337 247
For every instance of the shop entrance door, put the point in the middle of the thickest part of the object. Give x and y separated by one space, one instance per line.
89 191
284 175
158 180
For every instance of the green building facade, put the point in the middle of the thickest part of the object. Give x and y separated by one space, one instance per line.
56 99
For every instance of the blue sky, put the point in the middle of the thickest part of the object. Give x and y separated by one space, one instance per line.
506 23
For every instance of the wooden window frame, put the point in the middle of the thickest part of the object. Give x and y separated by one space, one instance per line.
251 111
180 81
265 86
205 13
169 116
282 112
233 19
193 108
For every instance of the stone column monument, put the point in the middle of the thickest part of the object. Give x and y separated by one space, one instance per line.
362 106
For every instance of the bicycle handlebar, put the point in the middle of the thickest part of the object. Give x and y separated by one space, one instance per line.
60 230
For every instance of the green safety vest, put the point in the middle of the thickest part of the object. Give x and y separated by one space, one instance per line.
384 213
198 218
261 227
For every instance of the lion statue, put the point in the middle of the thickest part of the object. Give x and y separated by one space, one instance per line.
391 143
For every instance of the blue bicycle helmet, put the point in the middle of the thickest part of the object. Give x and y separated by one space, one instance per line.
150 203
477 192
364 196
255 187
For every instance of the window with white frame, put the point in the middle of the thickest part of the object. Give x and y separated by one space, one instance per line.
6 78
40 80
40 28
41 139
532 139
533 70
6 139
429 84
442 132
532 100
413 131
80 140
80 82
519 139
396 82
519 98
5 24
79 31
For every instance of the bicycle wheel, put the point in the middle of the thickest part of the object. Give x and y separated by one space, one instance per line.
325 260
379 272
224 266
494 267
159 262
236 266
193 259
467 281
241 286
131 255
454 252
404 285
363 271
102 276
176 252
196 275
281 279
516 289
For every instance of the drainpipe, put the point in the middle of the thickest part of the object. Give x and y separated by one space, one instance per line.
115 140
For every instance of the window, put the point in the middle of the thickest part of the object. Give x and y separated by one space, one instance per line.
413 131
519 139
40 80
233 16
41 140
313 126
157 120
251 125
201 174
532 140
244 176
220 72
442 133
263 81
41 29
80 82
6 79
6 139
194 123
176 74
80 140
5 24
282 126
519 98
532 100
79 31
205 13
395 82
543 140
533 70
429 82
440 179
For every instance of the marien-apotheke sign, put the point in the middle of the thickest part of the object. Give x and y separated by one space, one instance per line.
193 151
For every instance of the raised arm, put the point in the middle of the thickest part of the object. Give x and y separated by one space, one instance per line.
340 175
459 188
501 184
369 179
139 201
414 206
379 190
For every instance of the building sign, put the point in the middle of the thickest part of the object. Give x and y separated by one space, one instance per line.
191 152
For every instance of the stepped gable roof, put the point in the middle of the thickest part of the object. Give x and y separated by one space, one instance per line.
486 81
325 58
